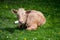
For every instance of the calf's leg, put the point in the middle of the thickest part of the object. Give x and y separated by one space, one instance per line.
32 27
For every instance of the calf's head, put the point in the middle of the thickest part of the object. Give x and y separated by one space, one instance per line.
20 14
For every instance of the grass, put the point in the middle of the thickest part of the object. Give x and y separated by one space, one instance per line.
49 31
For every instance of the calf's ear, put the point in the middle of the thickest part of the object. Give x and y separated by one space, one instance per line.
13 11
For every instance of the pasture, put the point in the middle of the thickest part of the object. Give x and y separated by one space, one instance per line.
48 31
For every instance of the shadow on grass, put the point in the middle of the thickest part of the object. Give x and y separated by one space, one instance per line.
11 30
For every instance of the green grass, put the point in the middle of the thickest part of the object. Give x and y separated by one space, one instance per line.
49 31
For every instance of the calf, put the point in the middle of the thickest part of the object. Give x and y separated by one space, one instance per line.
32 18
